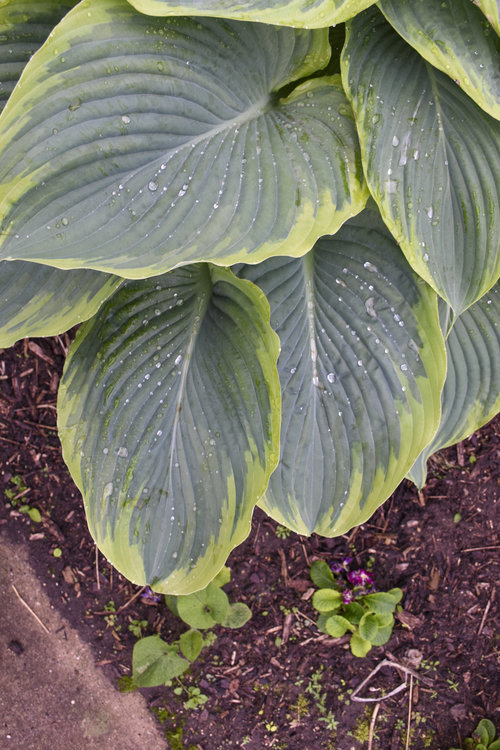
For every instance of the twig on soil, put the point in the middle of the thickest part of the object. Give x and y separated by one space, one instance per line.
403 686
97 568
305 554
14 442
372 725
298 612
284 571
480 549
124 606
485 614
408 723
25 604
37 424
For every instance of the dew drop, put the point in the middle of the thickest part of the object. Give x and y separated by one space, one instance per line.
152 185
125 119
331 377
122 452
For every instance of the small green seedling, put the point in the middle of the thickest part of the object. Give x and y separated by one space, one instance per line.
137 626
483 737
15 494
156 662
282 532
211 606
347 602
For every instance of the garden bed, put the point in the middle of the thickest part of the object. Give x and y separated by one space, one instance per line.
278 682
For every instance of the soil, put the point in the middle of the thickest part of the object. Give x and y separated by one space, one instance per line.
278 682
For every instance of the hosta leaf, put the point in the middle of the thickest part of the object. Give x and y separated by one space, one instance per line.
308 13
24 27
471 393
361 369
491 9
432 160
169 422
137 144
455 37
38 300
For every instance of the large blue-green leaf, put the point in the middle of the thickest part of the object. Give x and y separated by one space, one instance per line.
38 300
361 367
24 26
455 37
136 144
169 411
299 13
431 158
471 393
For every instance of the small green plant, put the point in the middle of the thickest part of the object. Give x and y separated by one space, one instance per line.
299 709
111 618
483 737
194 698
156 662
15 494
347 601
211 606
282 532
271 726
137 626
361 733
314 688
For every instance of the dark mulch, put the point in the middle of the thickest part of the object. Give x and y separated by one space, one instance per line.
278 682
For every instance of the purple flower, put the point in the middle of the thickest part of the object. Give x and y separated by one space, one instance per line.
347 596
341 567
150 594
360 578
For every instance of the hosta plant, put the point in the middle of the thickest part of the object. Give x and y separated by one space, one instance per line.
278 225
